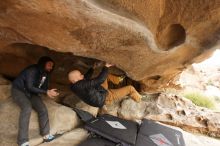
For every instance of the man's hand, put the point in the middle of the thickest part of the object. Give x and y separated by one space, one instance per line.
52 93
108 65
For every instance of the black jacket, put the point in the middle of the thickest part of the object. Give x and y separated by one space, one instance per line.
90 90
29 80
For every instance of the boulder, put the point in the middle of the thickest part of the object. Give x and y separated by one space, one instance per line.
5 88
152 41
72 138
170 109
62 119
5 92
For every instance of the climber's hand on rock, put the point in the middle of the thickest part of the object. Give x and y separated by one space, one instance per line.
108 65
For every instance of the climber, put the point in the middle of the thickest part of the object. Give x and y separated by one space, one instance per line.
95 91
26 90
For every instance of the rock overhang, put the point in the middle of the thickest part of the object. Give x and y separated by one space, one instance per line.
143 38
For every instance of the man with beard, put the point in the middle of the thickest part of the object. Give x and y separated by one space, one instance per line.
26 90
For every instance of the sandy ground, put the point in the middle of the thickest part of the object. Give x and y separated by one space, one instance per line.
200 140
197 139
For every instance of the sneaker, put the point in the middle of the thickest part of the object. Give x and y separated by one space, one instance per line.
48 138
25 144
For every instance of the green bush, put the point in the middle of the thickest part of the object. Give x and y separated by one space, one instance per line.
200 100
